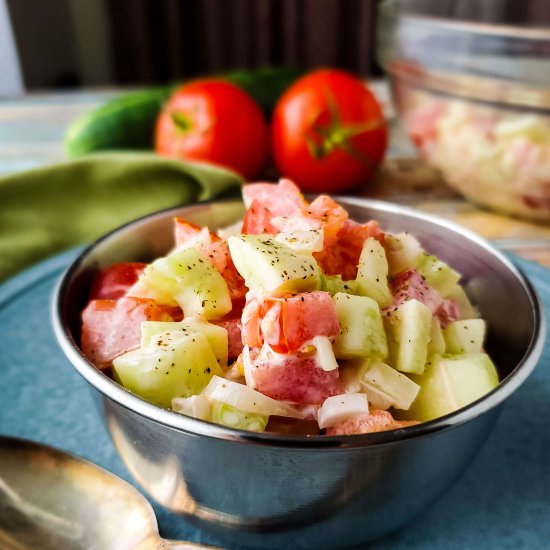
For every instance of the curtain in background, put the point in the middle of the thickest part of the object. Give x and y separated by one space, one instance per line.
162 41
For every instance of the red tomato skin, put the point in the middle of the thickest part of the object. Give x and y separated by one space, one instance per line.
286 324
342 256
298 380
113 282
281 199
224 124
113 327
303 105
257 220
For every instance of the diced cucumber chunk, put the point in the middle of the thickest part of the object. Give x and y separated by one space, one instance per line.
465 336
272 266
466 308
334 284
408 331
172 365
302 241
451 382
436 345
372 273
438 274
361 328
384 386
216 335
187 279
225 414
402 252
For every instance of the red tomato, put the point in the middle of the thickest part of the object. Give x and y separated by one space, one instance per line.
213 121
342 257
233 326
328 132
299 380
286 324
113 327
113 282
281 199
374 421
257 220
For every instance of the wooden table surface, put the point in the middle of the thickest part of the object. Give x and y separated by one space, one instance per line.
31 135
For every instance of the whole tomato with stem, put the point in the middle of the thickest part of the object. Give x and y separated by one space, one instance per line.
214 121
328 132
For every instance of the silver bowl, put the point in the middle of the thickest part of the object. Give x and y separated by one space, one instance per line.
270 490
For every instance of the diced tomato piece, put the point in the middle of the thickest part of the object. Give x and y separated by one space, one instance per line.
342 257
185 231
234 327
113 282
113 327
299 380
257 220
214 249
281 199
250 320
447 312
329 215
374 421
410 285
286 324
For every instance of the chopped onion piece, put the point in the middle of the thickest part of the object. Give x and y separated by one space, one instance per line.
197 406
247 367
338 408
246 399
377 398
324 354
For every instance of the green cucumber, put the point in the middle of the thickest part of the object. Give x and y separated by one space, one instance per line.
402 252
361 328
272 266
128 121
174 365
187 279
449 383
372 273
436 344
216 335
408 330
334 284
225 414
465 336
465 306
438 274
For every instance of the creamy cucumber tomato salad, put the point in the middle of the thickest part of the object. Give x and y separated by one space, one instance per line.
296 320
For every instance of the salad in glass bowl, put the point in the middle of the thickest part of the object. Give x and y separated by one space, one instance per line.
494 157
294 320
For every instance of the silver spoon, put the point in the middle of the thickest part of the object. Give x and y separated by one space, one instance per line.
51 500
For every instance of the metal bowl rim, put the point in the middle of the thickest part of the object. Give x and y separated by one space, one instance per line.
179 422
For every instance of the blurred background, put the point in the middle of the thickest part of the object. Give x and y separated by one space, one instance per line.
75 43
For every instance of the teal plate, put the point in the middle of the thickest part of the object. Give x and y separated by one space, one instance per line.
502 502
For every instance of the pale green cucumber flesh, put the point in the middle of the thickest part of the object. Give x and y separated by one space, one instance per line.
267 264
361 328
174 365
465 336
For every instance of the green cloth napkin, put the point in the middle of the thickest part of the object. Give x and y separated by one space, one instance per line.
46 210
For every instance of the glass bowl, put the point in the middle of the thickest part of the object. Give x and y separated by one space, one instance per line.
474 97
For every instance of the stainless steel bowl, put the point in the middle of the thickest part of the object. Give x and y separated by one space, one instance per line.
271 491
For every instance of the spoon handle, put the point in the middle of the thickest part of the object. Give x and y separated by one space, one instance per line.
183 545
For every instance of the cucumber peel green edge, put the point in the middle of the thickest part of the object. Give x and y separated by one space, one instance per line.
127 121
